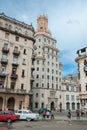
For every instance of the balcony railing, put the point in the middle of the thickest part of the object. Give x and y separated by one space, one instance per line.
16 91
16 52
5 49
2 74
14 76
32 67
4 61
15 64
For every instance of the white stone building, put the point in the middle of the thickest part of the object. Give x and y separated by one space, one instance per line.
82 74
47 74
16 63
70 93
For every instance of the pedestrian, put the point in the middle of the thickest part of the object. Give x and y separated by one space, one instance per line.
52 114
69 116
78 114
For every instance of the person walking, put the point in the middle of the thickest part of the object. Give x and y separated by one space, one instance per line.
52 114
69 116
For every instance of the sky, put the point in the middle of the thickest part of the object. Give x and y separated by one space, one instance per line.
67 20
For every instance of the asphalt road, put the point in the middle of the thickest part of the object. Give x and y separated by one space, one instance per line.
48 125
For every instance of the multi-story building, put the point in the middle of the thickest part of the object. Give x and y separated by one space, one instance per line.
82 74
70 92
16 62
47 74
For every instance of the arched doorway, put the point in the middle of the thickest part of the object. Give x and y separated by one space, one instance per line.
52 106
10 103
1 103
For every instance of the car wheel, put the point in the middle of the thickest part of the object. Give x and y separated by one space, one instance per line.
28 119
9 120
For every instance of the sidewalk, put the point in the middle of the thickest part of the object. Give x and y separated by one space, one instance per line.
65 118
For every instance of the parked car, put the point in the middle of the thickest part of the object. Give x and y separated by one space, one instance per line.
27 115
8 116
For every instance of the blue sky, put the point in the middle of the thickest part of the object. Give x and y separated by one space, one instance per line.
67 22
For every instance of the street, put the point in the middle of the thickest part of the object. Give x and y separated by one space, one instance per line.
49 125
59 123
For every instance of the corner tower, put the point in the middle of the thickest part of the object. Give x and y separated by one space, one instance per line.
42 25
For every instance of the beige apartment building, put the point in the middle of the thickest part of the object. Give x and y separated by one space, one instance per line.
47 74
81 60
70 92
16 63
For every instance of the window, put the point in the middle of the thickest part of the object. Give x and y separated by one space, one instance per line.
15 59
72 97
24 62
36 94
17 38
67 88
22 86
5 45
56 78
44 39
7 35
48 77
37 76
42 95
47 85
24 51
42 69
37 68
4 56
39 40
86 87
52 86
56 72
12 85
42 85
67 97
42 76
36 104
72 88
23 73
56 86
36 84
52 71
48 70
37 62
42 105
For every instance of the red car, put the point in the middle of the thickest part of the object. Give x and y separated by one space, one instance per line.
8 116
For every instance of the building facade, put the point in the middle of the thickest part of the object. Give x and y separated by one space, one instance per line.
47 74
70 93
16 63
82 74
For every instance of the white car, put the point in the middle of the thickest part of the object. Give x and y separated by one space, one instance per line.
27 115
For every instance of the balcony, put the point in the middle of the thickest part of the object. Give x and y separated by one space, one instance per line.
2 74
30 92
33 56
32 67
14 76
4 61
16 52
5 49
32 78
14 91
15 64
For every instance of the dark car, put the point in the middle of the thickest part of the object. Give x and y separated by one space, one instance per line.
8 116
